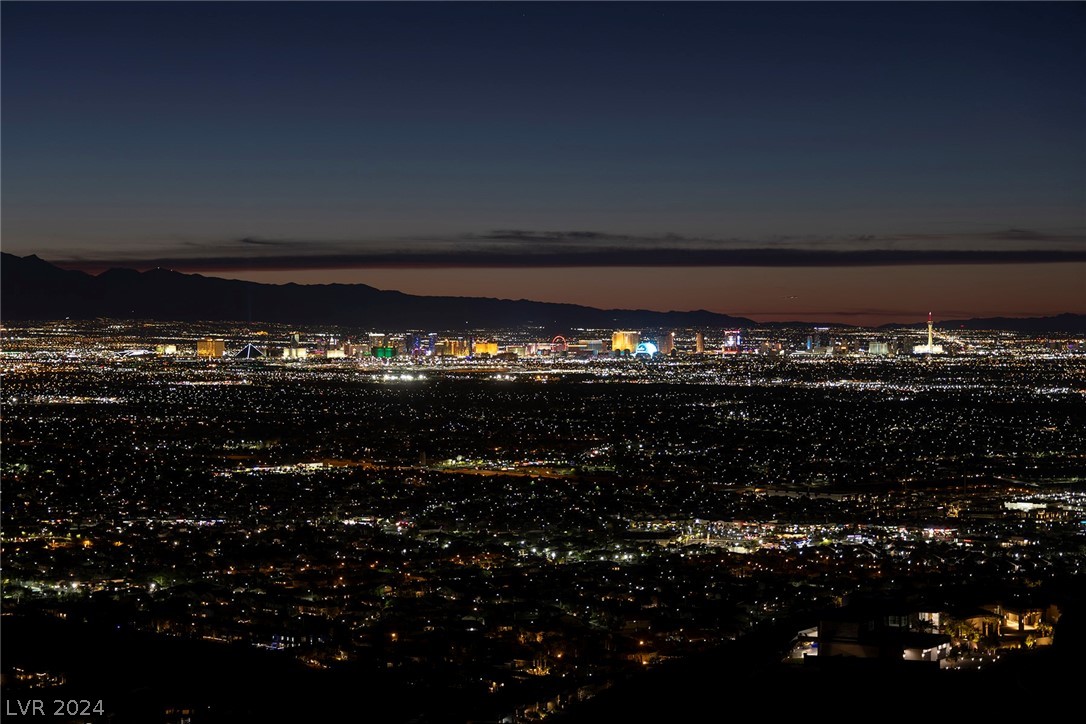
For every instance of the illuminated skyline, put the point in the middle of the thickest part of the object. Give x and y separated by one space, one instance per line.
854 162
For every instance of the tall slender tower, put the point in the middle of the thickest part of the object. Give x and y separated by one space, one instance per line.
929 348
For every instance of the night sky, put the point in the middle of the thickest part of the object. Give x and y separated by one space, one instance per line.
855 161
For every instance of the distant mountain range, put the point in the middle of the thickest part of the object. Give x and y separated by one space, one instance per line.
1058 324
33 289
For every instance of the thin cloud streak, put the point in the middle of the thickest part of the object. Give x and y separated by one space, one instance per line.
636 257
523 248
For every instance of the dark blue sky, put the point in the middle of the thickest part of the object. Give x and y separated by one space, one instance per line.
228 136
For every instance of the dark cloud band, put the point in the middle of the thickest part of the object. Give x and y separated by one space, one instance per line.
612 257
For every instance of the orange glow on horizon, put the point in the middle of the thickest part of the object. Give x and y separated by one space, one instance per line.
849 295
